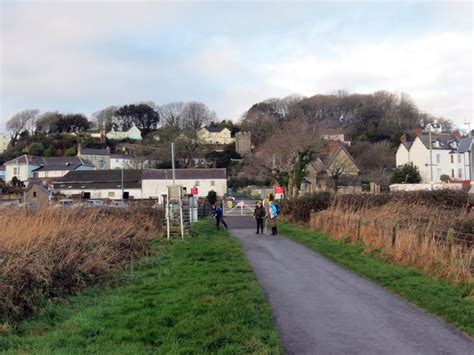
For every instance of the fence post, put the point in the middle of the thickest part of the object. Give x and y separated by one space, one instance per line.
450 238
359 222
394 234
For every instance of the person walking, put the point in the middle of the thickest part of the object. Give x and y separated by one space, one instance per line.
218 214
260 215
273 213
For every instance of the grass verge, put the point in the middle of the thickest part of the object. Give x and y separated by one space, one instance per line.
201 296
439 297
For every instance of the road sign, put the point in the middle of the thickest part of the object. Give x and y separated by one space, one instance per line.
279 190
194 191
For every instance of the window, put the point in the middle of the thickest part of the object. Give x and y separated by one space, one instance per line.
15 171
452 173
460 173
438 158
452 159
34 193
196 183
111 194
438 173
101 164
213 183
459 158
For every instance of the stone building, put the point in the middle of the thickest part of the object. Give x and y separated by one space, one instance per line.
243 143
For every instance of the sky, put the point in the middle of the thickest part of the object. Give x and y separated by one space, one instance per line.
86 55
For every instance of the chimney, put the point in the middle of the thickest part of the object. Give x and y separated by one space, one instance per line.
418 131
79 149
403 138
457 134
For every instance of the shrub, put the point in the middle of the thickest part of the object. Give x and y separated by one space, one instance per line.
406 174
49 253
300 208
212 197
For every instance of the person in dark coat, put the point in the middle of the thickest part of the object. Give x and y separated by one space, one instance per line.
218 214
260 215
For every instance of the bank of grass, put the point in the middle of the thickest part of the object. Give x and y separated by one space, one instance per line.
200 296
453 303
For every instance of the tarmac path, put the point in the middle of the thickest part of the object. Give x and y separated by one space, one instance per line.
321 308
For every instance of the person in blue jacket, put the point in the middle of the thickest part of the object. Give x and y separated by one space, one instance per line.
218 214
273 213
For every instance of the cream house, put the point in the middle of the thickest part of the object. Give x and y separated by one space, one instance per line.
449 155
4 140
133 133
215 135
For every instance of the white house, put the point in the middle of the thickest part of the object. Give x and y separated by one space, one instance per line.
26 167
127 161
4 140
448 155
133 133
139 184
101 184
155 181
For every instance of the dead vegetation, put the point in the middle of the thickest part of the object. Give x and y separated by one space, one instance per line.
49 253
418 232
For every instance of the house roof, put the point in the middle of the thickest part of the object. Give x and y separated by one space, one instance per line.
2 167
334 154
100 176
184 174
46 161
38 184
63 167
92 151
465 144
445 141
215 129
407 145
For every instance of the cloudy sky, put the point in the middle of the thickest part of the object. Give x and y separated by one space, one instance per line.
83 56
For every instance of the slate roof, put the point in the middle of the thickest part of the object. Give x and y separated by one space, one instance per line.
43 162
92 151
184 174
101 176
445 142
214 129
465 145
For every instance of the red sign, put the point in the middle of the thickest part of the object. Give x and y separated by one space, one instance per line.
194 190
279 190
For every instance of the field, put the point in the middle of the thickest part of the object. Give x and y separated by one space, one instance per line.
48 254
195 296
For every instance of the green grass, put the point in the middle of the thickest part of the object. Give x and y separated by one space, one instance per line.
201 296
439 297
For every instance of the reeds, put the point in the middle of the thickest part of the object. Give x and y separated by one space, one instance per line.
417 235
48 253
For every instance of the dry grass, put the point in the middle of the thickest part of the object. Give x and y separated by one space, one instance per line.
45 254
419 236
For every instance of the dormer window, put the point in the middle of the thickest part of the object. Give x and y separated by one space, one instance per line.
436 144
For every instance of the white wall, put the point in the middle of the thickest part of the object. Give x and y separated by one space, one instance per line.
155 188
112 194
24 171
402 156
425 187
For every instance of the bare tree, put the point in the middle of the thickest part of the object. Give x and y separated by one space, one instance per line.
172 114
196 115
106 118
21 122
48 122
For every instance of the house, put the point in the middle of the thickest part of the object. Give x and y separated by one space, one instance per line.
128 161
38 194
101 184
3 173
100 158
133 133
26 167
155 181
215 135
433 127
4 141
336 163
449 155
139 184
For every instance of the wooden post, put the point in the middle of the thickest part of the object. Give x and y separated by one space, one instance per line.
450 238
359 222
394 234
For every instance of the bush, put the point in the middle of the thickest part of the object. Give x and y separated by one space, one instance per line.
406 174
212 197
300 208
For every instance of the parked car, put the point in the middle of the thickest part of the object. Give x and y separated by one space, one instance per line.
14 204
118 204
66 203
95 203
28 205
